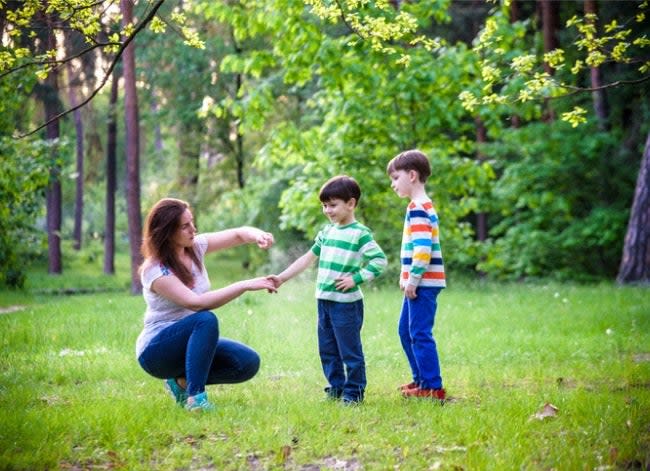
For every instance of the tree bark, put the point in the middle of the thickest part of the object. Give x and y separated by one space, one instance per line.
481 217
635 263
111 177
515 15
239 145
79 189
132 134
52 105
550 23
601 104
189 148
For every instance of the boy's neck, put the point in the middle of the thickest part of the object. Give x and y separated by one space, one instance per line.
347 221
418 191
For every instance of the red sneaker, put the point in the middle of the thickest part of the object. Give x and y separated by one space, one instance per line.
425 393
406 387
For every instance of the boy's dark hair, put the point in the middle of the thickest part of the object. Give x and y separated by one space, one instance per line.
340 187
411 160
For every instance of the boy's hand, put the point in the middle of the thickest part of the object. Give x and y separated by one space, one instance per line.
275 279
409 291
345 283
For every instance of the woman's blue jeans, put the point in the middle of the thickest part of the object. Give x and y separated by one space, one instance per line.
416 335
339 345
191 348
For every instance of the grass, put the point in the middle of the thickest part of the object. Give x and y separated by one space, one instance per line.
72 395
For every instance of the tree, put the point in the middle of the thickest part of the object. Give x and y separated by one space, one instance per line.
334 98
111 177
48 93
79 134
132 134
635 263
90 20
519 81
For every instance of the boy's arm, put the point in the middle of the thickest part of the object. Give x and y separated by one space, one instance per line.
374 263
422 229
297 267
374 260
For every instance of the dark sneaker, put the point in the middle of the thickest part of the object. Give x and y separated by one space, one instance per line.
425 393
333 393
351 401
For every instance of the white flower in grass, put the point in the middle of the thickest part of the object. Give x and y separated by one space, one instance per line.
68 352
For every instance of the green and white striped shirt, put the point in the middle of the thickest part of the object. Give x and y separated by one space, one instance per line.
346 250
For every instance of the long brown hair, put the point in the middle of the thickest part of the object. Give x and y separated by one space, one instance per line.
159 228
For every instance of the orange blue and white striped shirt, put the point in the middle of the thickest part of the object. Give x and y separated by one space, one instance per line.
421 255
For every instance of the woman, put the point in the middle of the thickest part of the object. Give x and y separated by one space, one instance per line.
180 341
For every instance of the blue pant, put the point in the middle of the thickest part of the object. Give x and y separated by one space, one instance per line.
191 348
339 346
416 334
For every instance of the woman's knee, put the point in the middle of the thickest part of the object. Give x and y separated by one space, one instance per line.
207 318
252 366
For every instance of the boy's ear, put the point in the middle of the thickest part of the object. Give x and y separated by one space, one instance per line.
352 202
413 176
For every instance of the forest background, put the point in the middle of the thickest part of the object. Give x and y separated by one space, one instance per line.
535 115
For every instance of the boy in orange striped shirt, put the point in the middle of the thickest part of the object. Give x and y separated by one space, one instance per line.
422 274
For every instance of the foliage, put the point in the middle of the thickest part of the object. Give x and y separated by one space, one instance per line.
348 107
74 397
24 176
509 79
554 210
312 89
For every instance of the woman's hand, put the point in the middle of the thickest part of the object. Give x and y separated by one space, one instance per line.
264 240
262 282
276 280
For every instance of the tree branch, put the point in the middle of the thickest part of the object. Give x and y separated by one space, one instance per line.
108 73
576 90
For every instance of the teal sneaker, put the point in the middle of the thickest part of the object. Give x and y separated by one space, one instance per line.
179 394
199 403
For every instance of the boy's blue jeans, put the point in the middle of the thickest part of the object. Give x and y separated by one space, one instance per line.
191 348
416 334
339 346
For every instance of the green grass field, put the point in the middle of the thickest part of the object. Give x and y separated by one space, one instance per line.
72 395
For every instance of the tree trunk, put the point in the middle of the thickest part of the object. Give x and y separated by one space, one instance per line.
111 178
239 145
635 263
132 134
550 23
481 218
515 12
601 105
189 147
79 128
52 105
515 15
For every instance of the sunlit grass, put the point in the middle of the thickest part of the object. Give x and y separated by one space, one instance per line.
72 395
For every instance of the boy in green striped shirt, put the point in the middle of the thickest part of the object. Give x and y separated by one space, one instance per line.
347 256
